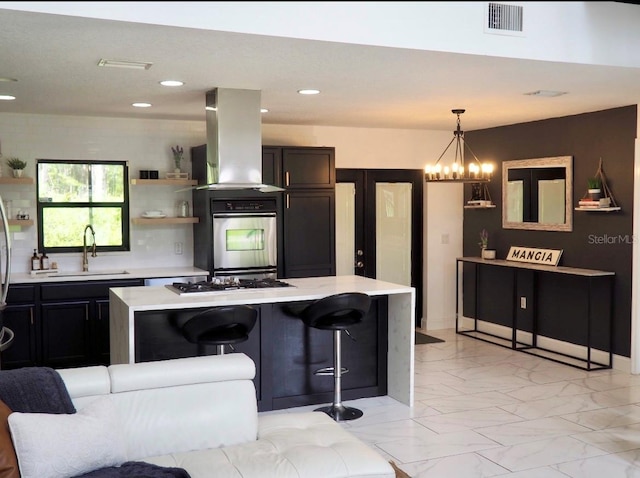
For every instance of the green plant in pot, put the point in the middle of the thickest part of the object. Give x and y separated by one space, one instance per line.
595 188
17 165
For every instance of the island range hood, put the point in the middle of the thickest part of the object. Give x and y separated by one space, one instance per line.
234 141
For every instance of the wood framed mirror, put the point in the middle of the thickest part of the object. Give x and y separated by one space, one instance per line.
537 194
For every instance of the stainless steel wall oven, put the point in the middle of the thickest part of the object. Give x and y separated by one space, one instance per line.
244 238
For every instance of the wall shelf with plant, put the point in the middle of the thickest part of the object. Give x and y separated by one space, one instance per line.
598 197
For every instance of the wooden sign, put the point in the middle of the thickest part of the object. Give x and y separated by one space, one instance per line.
549 257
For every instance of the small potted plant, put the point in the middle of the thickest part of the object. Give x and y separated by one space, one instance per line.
17 165
594 185
178 153
484 243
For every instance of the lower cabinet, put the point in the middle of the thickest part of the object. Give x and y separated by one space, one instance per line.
65 324
21 317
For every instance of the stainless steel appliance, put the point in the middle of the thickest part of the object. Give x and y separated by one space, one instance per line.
244 238
6 334
221 284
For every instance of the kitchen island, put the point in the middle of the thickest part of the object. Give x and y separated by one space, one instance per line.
285 351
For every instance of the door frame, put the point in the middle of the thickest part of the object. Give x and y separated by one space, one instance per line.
365 180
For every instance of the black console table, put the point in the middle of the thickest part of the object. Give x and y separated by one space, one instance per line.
558 313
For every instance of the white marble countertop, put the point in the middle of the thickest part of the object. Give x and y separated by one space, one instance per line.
123 273
311 288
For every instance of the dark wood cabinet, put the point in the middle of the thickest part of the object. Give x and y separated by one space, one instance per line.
21 317
61 324
364 354
307 228
309 233
305 167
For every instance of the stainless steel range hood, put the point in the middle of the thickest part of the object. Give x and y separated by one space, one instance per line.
234 141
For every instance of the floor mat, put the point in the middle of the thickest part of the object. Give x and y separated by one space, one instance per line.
426 339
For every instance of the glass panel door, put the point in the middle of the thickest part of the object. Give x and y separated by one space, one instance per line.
393 232
345 228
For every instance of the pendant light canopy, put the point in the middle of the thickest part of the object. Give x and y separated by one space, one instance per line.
458 171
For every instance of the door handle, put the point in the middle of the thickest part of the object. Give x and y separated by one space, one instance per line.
359 265
359 252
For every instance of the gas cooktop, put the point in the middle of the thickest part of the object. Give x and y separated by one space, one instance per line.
219 285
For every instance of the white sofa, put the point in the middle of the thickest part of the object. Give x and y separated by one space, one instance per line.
200 414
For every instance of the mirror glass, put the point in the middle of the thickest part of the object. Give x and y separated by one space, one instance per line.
537 194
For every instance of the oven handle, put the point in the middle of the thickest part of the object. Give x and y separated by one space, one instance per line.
245 214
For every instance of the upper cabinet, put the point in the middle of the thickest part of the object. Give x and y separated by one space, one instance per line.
299 167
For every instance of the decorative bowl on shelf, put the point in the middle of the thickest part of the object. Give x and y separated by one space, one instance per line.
153 214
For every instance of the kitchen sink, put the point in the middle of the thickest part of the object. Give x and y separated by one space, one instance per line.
87 273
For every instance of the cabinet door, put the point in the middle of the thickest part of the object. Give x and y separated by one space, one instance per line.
304 168
23 351
100 333
364 355
272 165
66 334
309 231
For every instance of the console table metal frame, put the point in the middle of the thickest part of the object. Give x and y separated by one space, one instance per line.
533 348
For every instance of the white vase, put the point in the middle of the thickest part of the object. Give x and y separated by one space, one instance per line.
17 173
177 170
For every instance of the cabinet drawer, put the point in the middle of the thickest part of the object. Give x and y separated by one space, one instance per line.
83 290
21 293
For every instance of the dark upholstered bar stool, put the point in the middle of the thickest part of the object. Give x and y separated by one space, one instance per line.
338 313
220 326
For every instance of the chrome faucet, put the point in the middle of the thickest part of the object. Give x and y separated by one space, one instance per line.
85 260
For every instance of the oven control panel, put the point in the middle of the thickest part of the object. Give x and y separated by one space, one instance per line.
244 205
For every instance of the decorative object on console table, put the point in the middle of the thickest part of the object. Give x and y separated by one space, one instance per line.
598 196
17 165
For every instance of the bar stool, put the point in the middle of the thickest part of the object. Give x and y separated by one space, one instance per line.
337 312
220 326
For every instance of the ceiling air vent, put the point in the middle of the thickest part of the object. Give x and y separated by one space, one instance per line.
503 19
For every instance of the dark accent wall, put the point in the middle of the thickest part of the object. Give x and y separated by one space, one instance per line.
599 240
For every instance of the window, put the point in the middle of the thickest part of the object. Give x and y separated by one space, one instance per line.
72 194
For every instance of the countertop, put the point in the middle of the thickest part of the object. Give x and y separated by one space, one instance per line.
124 273
311 288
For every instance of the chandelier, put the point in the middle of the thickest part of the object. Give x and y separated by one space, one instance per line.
474 172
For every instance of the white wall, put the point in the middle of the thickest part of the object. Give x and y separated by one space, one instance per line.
146 145
597 33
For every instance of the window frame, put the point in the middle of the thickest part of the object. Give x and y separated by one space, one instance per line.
124 207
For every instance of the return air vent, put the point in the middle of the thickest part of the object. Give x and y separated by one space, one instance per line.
504 19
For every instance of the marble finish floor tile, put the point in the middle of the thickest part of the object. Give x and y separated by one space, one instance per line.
625 465
541 453
483 411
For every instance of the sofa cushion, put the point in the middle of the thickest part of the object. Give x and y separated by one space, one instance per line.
8 460
290 445
64 445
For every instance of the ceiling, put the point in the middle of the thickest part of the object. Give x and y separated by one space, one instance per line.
54 58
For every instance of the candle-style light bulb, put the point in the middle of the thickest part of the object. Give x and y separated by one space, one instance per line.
436 169
454 170
446 172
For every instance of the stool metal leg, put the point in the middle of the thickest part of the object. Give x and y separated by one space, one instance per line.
337 410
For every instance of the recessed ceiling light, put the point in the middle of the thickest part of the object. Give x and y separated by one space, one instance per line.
172 83
546 93
7 79
135 65
7 97
141 105
309 92
264 110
